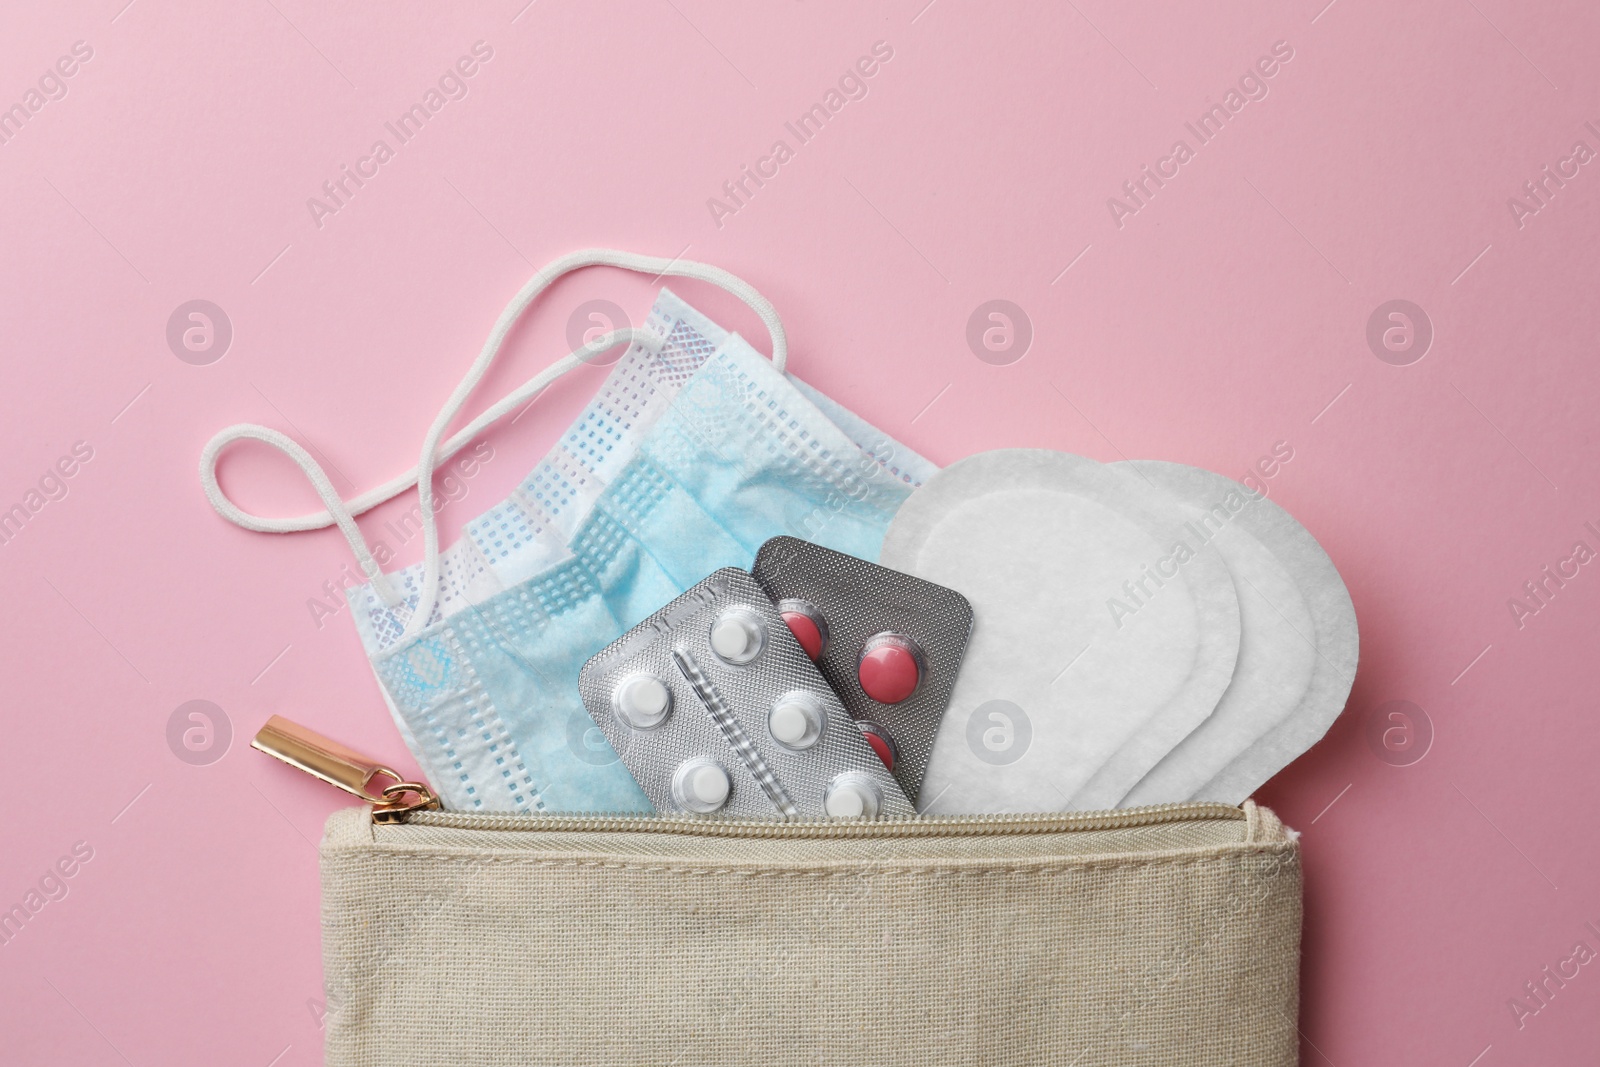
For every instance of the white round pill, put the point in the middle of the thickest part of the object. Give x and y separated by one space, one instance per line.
700 785
736 637
709 785
852 796
796 719
642 700
847 801
789 723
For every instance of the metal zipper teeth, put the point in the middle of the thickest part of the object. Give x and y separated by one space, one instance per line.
937 826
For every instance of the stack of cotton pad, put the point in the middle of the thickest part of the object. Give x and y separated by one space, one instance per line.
1143 633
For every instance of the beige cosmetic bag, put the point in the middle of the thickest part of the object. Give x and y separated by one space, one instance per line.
1162 935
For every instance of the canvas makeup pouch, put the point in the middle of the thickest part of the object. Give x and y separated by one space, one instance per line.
1166 935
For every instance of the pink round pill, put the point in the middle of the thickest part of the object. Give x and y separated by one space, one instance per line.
890 669
805 623
880 742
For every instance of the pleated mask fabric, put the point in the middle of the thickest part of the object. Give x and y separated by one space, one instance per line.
696 450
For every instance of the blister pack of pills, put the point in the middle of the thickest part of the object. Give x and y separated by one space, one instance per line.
716 709
888 643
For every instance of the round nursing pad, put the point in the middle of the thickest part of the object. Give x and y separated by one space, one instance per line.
1333 633
1278 636
1092 622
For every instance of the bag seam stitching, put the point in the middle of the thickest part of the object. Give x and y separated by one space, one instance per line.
857 870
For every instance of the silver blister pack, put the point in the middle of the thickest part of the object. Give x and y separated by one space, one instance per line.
888 643
716 709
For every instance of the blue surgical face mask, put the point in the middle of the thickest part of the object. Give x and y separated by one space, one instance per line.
696 450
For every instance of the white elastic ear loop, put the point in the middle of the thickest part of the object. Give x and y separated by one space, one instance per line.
340 512
337 511
588 257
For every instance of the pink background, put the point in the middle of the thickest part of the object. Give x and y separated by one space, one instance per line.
1228 314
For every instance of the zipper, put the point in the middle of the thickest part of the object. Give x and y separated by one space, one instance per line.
321 757
415 803
816 829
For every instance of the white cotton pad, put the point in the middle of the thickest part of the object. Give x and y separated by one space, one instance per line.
1332 671
1277 640
1057 678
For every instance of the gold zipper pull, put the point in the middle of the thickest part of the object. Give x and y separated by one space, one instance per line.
346 768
